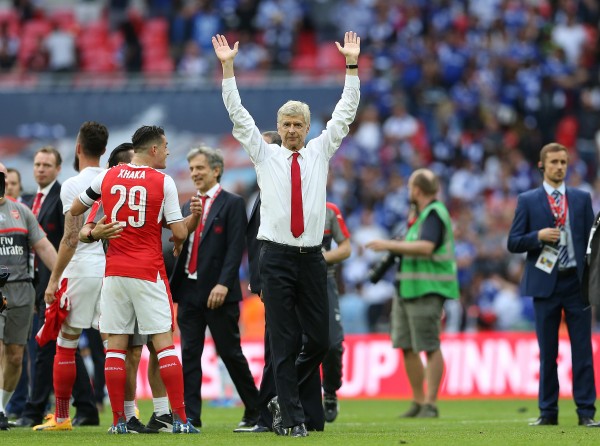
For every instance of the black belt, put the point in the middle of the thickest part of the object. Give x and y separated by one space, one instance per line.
292 249
566 272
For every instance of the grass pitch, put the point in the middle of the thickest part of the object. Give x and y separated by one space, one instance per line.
360 422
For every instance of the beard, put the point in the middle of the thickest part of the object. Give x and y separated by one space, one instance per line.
76 163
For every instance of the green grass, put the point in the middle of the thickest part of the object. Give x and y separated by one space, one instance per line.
361 422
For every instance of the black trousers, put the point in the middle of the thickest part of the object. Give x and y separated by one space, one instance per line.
42 384
223 324
332 362
309 391
294 287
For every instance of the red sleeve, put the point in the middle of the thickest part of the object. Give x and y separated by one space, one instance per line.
339 219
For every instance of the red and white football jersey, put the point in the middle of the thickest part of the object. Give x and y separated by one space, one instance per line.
139 197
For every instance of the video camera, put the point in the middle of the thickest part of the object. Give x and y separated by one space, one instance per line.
4 275
379 269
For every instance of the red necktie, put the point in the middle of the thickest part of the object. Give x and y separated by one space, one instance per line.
297 222
37 204
193 265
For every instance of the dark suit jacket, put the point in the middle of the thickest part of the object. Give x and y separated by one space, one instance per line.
219 252
254 247
532 214
52 221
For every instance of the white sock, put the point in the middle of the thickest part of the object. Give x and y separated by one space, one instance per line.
5 397
129 410
161 405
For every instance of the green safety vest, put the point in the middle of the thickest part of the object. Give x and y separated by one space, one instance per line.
435 274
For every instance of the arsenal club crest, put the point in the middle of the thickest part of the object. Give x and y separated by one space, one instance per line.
15 214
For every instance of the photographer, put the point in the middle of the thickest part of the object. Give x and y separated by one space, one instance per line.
427 277
19 233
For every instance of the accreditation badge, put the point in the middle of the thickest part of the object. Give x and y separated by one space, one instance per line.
547 259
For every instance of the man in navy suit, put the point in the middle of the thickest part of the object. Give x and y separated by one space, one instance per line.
205 283
552 224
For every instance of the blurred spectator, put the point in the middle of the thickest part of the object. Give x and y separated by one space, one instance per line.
14 188
193 63
9 47
62 55
130 53
279 20
38 59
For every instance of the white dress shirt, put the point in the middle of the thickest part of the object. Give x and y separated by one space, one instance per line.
273 167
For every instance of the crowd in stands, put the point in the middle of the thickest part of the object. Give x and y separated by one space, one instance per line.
472 89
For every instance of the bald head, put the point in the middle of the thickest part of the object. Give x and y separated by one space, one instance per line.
426 181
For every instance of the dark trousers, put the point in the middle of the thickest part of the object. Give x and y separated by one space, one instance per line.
294 287
225 331
309 391
332 362
98 358
548 311
42 384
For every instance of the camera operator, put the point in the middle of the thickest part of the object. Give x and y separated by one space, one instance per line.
19 233
427 277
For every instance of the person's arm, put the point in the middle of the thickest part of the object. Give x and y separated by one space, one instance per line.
521 238
338 254
244 128
422 248
66 250
78 207
93 232
180 233
172 215
193 220
345 110
46 252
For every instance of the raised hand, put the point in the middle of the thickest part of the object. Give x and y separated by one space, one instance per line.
351 48
222 49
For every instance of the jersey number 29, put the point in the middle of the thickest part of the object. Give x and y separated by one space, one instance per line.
136 200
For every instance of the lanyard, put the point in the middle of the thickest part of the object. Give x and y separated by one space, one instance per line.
559 211
209 201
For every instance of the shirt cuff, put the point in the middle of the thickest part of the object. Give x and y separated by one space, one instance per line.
229 84
352 81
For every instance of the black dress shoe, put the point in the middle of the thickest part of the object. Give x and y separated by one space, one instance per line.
588 422
545 421
299 431
85 421
252 430
250 418
27 422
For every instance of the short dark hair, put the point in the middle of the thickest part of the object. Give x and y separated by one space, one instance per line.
12 169
93 138
273 136
120 154
551 148
52 151
146 136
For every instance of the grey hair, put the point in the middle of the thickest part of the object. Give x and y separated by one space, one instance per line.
294 108
213 156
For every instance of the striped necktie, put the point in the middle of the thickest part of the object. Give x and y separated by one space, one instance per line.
563 252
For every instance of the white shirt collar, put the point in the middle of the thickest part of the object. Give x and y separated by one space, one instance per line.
549 189
46 190
212 191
